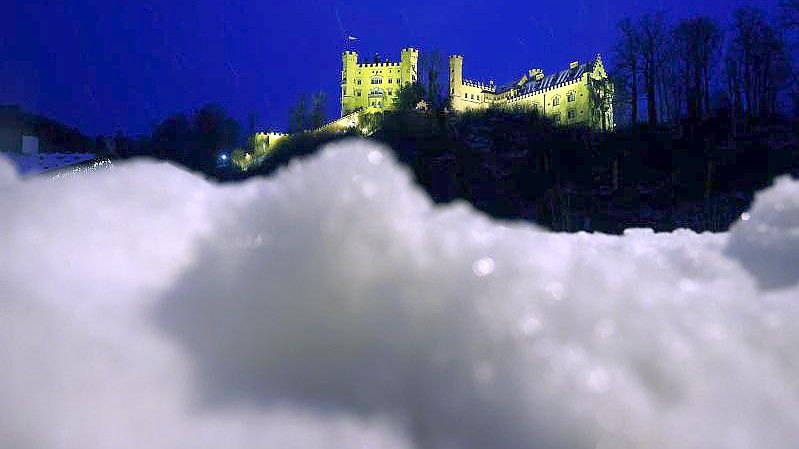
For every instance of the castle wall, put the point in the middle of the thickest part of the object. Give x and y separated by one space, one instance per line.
569 103
556 104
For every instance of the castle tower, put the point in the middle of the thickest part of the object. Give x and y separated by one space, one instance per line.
456 80
409 65
349 60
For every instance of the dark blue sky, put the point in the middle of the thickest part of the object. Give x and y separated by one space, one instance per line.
103 66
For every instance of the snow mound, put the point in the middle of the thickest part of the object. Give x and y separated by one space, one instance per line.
335 304
766 239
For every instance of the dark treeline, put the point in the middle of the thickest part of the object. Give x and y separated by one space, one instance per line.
192 140
667 72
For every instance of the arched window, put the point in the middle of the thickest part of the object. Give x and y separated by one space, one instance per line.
556 100
376 92
377 80
571 97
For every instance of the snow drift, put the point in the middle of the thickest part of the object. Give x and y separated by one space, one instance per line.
335 306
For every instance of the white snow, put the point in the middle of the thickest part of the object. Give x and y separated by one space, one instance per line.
334 306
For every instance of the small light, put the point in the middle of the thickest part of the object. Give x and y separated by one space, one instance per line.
745 216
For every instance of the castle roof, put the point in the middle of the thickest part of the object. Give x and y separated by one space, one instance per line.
531 85
562 77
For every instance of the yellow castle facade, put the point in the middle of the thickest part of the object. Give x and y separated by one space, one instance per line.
580 95
372 87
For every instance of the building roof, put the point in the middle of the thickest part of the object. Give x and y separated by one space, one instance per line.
29 164
533 85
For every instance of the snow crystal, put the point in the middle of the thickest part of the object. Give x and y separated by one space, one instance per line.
147 307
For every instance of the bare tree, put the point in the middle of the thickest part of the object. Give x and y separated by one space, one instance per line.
697 42
628 63
757 64
653 34
790 14
318 110
298 115
670 86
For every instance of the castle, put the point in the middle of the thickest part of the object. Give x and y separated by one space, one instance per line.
372 87
579 95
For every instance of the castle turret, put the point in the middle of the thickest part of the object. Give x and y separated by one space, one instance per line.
349 73
456 79
409 61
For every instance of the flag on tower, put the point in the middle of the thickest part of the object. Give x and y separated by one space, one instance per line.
352 38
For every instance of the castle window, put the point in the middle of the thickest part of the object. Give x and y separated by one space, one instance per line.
358 82
398 80
465 95
571 97
556 100
572 113
377 80
358 92
556 118
390 80
390 92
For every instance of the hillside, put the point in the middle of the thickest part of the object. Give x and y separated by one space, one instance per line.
516 165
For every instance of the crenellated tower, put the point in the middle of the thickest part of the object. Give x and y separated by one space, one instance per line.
409 62
349 74
456 80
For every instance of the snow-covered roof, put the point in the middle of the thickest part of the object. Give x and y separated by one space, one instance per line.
30 164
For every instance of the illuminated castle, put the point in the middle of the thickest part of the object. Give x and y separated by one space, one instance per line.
579 95
372 87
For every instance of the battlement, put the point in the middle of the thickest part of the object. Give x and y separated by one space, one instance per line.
487 87
380 64
410 50
456 57
351 52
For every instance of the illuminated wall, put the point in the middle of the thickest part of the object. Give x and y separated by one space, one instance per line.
579 95
373 87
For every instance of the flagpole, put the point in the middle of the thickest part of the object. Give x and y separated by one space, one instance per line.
350 39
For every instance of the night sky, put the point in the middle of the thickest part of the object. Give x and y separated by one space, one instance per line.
114 65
